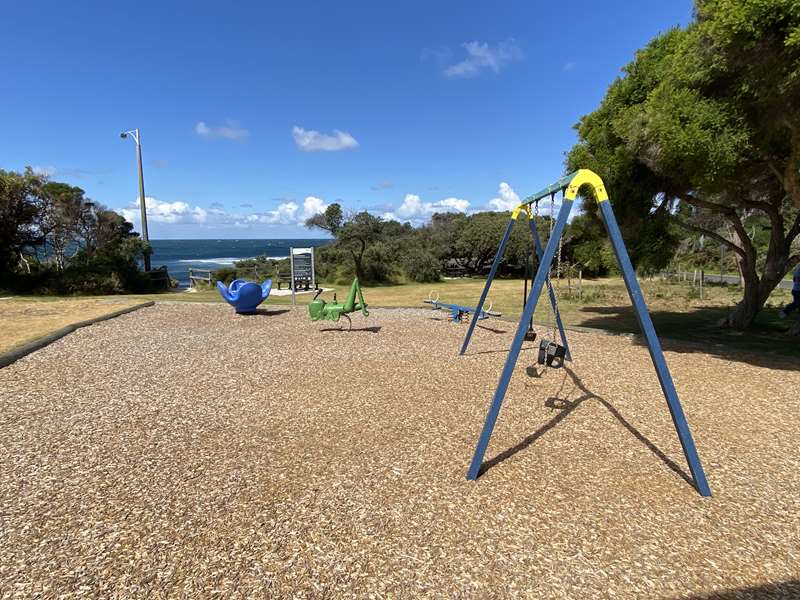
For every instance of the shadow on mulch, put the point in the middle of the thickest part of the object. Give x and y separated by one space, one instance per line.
264 312
777 590
566 407
485 328
479 326
373 329
501 351
764 345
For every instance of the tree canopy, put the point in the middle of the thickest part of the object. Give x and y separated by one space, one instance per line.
701 132
54 238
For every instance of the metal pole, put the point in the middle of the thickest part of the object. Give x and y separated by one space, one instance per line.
497 259
142 207
546 261
291 282
654 347
313 272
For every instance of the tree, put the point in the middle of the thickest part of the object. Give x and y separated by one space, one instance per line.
588 245
331 220
478 240
21 208
705 128
75 245
110 231
441 235
67 220
356 237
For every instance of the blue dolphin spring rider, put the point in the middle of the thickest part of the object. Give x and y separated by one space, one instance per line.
244 296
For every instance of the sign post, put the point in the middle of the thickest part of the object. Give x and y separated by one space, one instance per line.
291 282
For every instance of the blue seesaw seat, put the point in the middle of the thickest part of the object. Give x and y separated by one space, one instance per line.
245 296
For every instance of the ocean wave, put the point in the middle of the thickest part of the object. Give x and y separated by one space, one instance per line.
212 261
224 260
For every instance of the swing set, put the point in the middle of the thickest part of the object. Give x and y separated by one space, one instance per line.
552 353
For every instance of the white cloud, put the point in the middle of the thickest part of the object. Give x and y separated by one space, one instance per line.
285 214
411 206
230 131
569 66
456 204
313 141
508 200
416 211
313 206
182 213
47 171
482 56
167 212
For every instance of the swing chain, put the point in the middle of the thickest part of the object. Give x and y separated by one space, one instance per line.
558 267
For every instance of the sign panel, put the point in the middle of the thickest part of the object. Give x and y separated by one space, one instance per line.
302 263
303 259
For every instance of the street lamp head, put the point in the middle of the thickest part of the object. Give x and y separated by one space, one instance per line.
123 135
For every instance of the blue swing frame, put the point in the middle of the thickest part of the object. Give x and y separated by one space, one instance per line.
570 185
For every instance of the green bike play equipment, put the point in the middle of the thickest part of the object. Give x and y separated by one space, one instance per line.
318 309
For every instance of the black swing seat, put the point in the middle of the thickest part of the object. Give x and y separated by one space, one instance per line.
551 354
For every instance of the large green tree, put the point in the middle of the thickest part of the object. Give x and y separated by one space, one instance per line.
703 131
361 238
22 205
67 220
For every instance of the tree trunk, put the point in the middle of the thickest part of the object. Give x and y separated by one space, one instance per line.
756 292
24 261
357 264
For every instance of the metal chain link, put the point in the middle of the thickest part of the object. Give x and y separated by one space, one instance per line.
558 267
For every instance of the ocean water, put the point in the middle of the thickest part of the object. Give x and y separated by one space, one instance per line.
181 255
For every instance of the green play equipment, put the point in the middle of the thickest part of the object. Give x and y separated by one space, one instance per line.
318 309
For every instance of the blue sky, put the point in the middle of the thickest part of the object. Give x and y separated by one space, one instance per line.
256 114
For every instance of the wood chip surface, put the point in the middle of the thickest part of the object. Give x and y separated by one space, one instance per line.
183 451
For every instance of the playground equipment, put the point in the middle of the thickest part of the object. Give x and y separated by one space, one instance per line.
569 187
459 313
318 309
244 296
551 354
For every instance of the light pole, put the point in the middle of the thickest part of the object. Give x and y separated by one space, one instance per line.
137 139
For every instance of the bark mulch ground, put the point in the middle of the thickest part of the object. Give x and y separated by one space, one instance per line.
184 451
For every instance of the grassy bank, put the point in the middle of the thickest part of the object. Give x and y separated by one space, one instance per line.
24 320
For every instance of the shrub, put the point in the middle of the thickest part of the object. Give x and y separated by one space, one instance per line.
421 266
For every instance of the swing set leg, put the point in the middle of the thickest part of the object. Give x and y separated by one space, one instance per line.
516 345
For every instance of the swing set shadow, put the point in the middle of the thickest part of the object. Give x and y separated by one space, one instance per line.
567 407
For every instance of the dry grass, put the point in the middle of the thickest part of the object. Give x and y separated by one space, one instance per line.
25 321
183 451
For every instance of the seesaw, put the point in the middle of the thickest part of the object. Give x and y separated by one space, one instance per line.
458 312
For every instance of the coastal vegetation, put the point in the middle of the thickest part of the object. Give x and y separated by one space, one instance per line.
55 240
699 141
